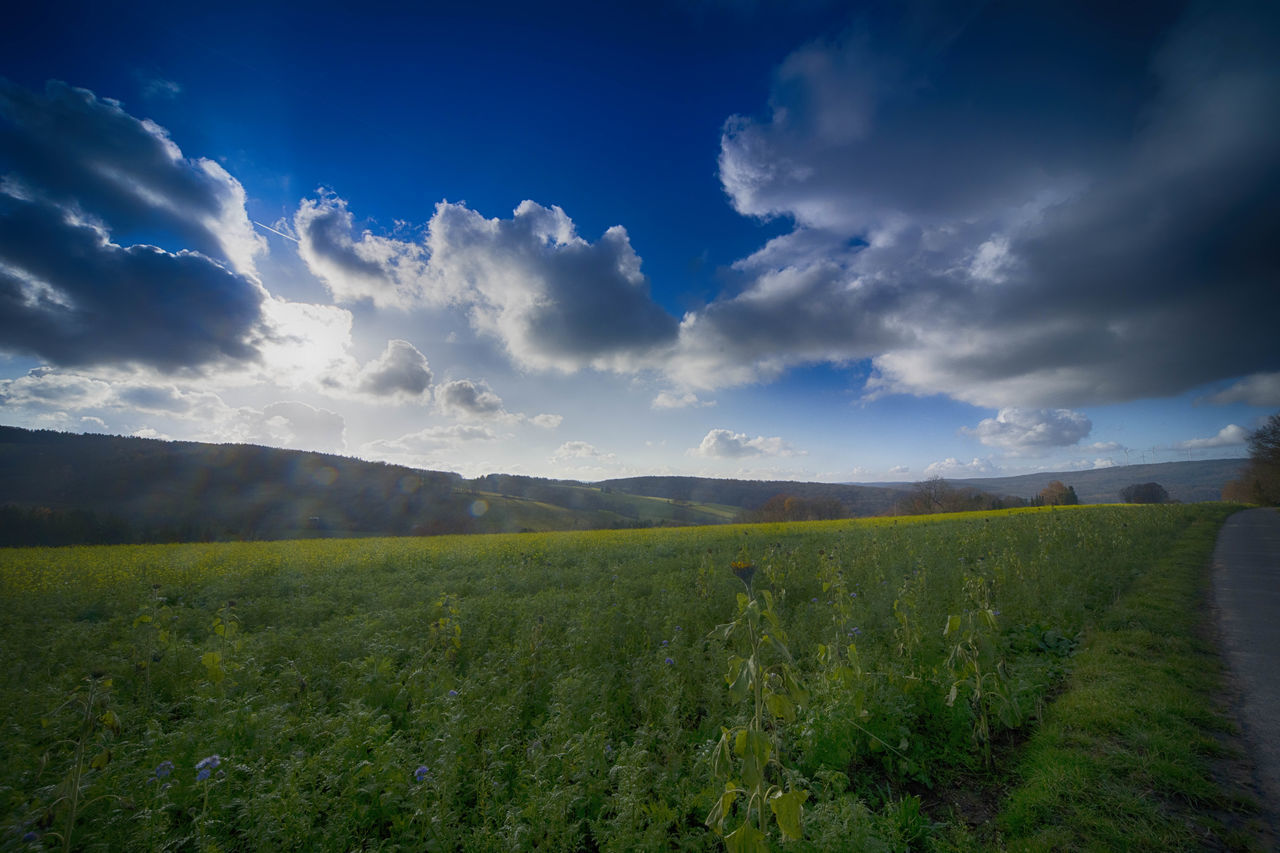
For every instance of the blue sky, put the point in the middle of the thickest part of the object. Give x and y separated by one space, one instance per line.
831 241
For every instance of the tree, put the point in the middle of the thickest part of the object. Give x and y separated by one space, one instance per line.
1057 494
1259 483
1144 493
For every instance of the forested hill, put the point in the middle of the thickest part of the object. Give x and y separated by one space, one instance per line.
62 488
139 489
753 494
1188 482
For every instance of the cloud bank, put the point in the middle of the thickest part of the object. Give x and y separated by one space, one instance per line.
1037 245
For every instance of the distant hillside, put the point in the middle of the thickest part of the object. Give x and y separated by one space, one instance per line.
752 494
1189 482
61 488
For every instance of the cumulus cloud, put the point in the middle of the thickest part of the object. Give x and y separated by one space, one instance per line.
555 300
1261 389
1231 435
77 172
546 421
952 467
580 450
68 147
384 270
467 398
1031 430
401 371
1037 247
672 400
726 444
552 299
71 296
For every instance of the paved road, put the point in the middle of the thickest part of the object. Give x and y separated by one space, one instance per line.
1246 586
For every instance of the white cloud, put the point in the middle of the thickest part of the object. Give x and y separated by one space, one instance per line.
384 270
1031 430
1105 447
571 450
126 401
469 399
1260 389
554 300
900 469
546 421
671 400
726 444
1231 435
952 467
400 372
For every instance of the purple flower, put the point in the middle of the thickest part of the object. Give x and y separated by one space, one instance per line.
420 773
664 642
203 774
209 762
163 769
453 693
670 662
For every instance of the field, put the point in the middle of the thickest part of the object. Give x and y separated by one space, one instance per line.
564 691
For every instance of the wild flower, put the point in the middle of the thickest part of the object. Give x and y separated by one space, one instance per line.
206 766
744 571
421 772
453 693
163 769
670 662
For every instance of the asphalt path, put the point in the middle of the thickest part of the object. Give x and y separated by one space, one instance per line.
1246 587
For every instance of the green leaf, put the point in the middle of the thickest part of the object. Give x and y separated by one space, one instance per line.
739 679
746 839
110 720
213 666
101 760
794 689
722 759
787 809
722 808
953 625
780 706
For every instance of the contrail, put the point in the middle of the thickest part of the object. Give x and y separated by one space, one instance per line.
274 231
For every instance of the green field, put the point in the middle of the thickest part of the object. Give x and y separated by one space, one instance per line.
562 691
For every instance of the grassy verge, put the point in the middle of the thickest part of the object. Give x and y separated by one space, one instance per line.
1125 759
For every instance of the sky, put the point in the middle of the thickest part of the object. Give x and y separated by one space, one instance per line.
848 242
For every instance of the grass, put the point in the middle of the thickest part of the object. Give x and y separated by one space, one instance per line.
1125 758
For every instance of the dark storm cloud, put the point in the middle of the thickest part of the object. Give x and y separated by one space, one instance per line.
69 295
1040 208
69 147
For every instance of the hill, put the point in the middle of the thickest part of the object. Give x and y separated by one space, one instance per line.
62 488
1189 482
